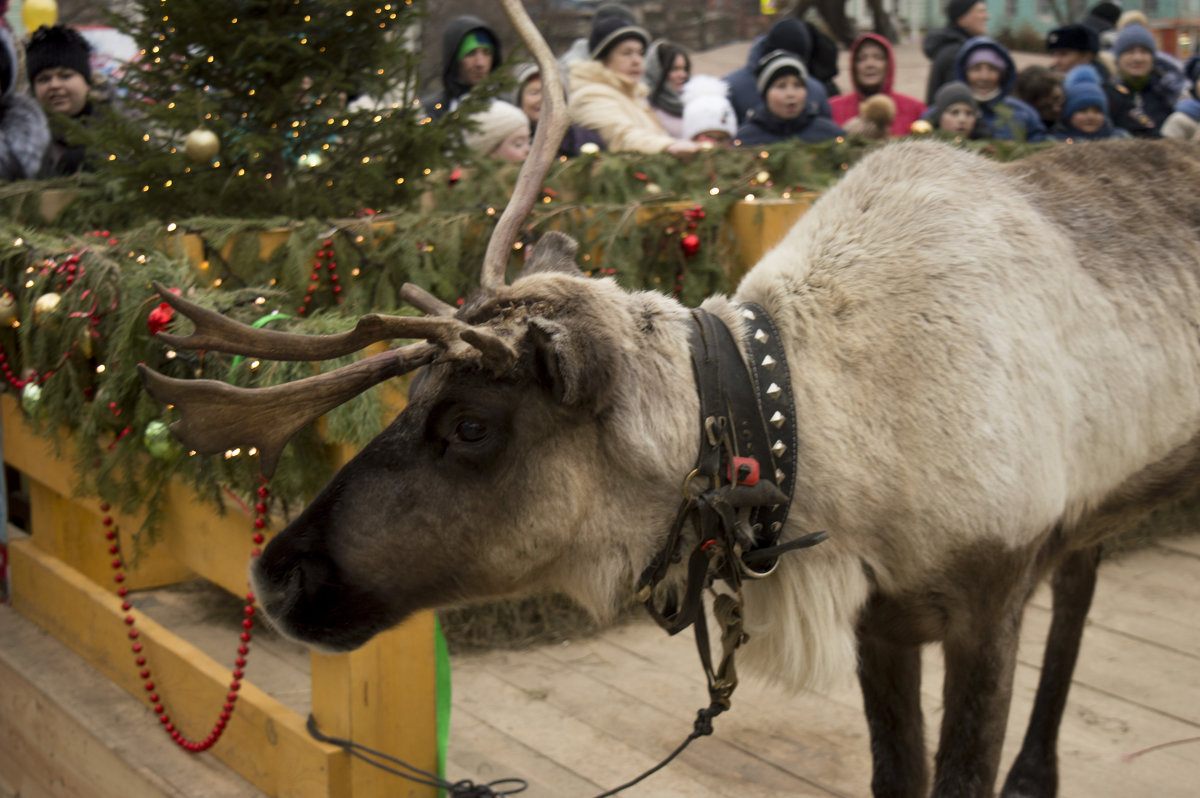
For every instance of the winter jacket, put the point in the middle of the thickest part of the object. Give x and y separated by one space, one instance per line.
845 106
1144 111
616 108
63 157
941 47
1184 121
766 128
24 134
1063 131
1008 118
743 90
440 102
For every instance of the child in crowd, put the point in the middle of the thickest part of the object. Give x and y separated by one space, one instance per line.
1184 122
987 68
501 131
57 60
528 97
708 116
667 70
1042 88
23 131
786 113
872 71
1140 98
1085 109
955 112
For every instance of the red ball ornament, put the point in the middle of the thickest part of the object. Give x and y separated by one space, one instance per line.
159 318
690 244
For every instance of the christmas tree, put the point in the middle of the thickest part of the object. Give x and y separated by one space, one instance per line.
264 108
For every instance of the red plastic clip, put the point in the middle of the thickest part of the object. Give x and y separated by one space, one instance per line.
745 469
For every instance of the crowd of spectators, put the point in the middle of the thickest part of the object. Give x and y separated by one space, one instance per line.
628 90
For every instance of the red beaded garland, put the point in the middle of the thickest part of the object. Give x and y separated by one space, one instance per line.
243 650
324 259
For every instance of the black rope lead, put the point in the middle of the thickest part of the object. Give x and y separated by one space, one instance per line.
458 789
500 787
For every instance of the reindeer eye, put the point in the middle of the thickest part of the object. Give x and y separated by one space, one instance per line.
471 431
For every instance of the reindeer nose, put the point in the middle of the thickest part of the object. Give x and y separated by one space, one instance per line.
314 573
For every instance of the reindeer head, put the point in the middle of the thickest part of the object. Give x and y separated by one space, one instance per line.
496 479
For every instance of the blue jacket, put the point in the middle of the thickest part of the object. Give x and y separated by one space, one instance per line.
743 90
1008 118
1142 112
766 128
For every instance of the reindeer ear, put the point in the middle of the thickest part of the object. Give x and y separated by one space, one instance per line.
554 252
576 371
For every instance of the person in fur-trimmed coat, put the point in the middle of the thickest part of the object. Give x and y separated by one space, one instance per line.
24 134
608 96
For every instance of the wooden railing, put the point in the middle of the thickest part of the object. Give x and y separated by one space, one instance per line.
382 695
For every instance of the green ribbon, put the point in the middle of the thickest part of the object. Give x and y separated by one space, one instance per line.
233 364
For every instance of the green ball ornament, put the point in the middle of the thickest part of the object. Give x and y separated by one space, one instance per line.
31 399
159 441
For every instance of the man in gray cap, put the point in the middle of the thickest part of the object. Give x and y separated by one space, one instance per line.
966 18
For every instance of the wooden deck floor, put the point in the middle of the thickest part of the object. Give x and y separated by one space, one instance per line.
578 718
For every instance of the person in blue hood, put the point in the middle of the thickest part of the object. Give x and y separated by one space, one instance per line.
1184 121
790 34
988 69
786 112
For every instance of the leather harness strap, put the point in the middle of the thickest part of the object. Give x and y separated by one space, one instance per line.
733 499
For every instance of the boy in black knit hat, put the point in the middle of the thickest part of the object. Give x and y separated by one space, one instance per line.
56 60
60 75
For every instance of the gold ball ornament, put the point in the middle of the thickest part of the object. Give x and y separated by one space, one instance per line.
45 305
201 145
921 127
36 13
8 310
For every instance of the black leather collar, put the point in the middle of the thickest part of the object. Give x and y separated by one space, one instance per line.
739 493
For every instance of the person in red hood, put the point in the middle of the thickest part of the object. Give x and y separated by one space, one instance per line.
872 69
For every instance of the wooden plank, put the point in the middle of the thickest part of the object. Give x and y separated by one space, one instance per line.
66 732
264 742
592 754
483 753
69 527
818 739
622 712
383 696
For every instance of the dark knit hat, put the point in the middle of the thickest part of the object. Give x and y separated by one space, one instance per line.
1109 12
789 34
58 46
1133 36
609 31
1082 95
1073 37
775 65
956 9
950 94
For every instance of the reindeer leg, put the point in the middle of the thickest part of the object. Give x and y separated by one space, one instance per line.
890 676
980 658
1034 774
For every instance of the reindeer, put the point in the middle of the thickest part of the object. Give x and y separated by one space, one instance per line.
993 367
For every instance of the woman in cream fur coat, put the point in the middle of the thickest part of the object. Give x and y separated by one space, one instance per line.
609 97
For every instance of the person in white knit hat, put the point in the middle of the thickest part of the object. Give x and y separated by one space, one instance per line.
501 131
708 115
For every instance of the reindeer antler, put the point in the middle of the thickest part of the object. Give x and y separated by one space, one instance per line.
216 417
552 126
